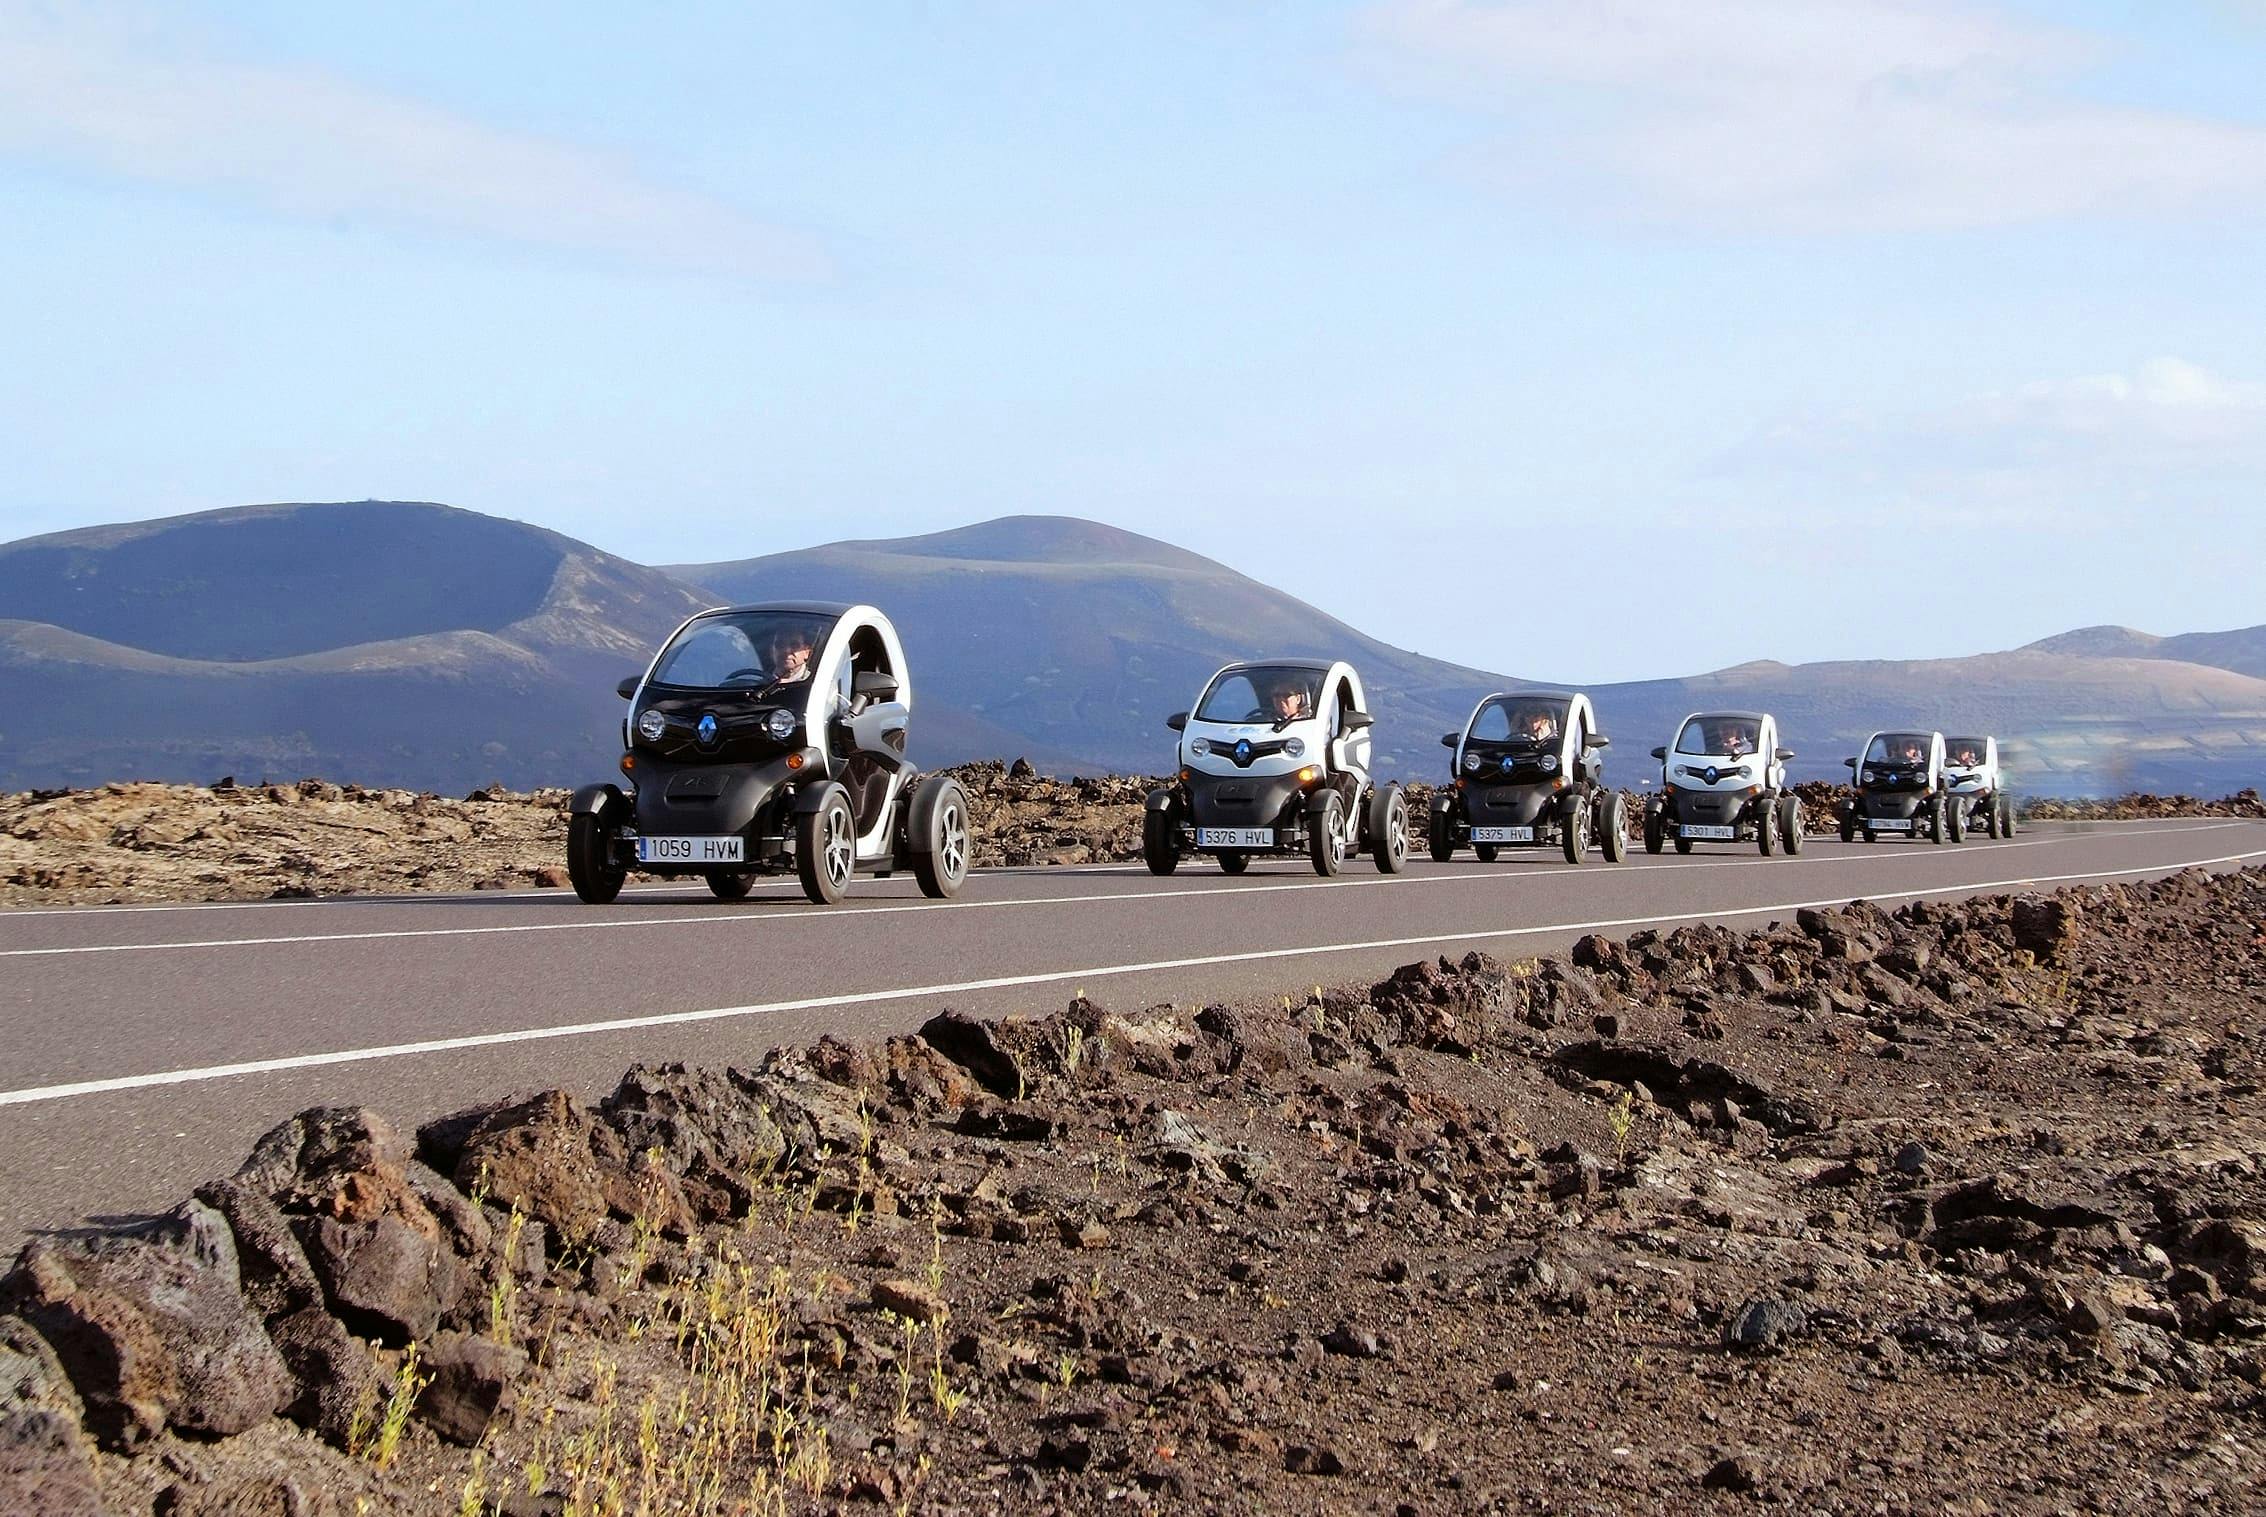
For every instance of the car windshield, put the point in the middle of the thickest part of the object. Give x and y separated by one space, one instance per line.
1898 748
753 650
1966 752
1519 719
1734 736
1274 695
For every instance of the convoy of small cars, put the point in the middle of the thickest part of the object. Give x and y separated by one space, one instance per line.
1528 770
771 739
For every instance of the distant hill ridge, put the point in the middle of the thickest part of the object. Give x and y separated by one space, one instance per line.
419 644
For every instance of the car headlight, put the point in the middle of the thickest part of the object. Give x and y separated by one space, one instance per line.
1471 763
1549 763
780 724
651 725
1295 747
1198 747
1872 776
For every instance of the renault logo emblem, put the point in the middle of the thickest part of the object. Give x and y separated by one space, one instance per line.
1712 775
707 729
1243 751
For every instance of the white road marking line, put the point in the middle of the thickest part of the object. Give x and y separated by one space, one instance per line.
818 916
1001 982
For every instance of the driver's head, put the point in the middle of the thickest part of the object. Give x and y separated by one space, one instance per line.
1538 724
1968 758
791 652
1911 750
1733 738
1287 699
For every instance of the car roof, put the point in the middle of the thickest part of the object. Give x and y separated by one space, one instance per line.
804 607
1318 665
1709 716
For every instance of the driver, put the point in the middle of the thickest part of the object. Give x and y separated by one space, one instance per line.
1909 751
1538 725
1967 757
791 650
1733 740
1288 701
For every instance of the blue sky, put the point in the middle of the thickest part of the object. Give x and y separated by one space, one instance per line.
1516 332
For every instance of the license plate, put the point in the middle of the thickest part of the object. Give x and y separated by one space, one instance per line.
1698 830
1502 834
691 850
1890 824
1235 837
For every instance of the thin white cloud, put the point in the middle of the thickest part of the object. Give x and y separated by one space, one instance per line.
1809 115
124 92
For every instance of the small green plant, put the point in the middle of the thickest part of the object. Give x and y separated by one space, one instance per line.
1073 1048
408 1385
935 1256
361 1421
503 1296
474 1499
1066 1369
1622 1119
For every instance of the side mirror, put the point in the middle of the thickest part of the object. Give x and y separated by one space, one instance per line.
1783 754
1354 721
1660 754
1178 721
874 684
1851 763
628 687
1597 740
1450 739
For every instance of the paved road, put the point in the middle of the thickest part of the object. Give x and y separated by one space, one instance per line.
146 1048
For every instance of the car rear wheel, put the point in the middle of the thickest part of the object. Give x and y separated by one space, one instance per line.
942 868
1683 844
591 866
730 887
826 850
1485 852
1655 834
1388 830
1766 830
1325 835
1848 828
1160 840
1613 827
1573 834
1935 822
2006 827
1790 823
1443 836
1234 863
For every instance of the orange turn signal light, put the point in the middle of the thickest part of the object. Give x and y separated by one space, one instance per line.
794 761
629 762
1310 775
1186 775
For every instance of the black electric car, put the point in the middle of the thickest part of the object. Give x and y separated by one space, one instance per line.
1901 791
1274 759
764 739
1529 772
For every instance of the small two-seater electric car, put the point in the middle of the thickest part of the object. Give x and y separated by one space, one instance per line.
1529 771
1977 790
763 739
1901 791
1724 780
1275 760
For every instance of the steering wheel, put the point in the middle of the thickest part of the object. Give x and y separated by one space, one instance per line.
760 674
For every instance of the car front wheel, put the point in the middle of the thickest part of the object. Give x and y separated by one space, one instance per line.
591 866
826 851
1160 840
1325 835
943 865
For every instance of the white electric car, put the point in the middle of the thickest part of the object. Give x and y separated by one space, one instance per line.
1901 792
1275 760
1977 788
1529 771
1723 781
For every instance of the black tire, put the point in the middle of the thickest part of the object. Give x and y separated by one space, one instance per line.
1790 835
1325 835
1990 820
1486 852
826 849
1613 827
1683 844
948 838
1160 840
1388 829
1573 834
591 865
1766 829
1655 832
1443 839
1955 816
1935 821
2006 826
1234 863
730 887
1871 836
1848 828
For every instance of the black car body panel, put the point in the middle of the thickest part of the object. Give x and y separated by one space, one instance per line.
1273 800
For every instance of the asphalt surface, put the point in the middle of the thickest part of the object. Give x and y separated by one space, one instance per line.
147 1048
